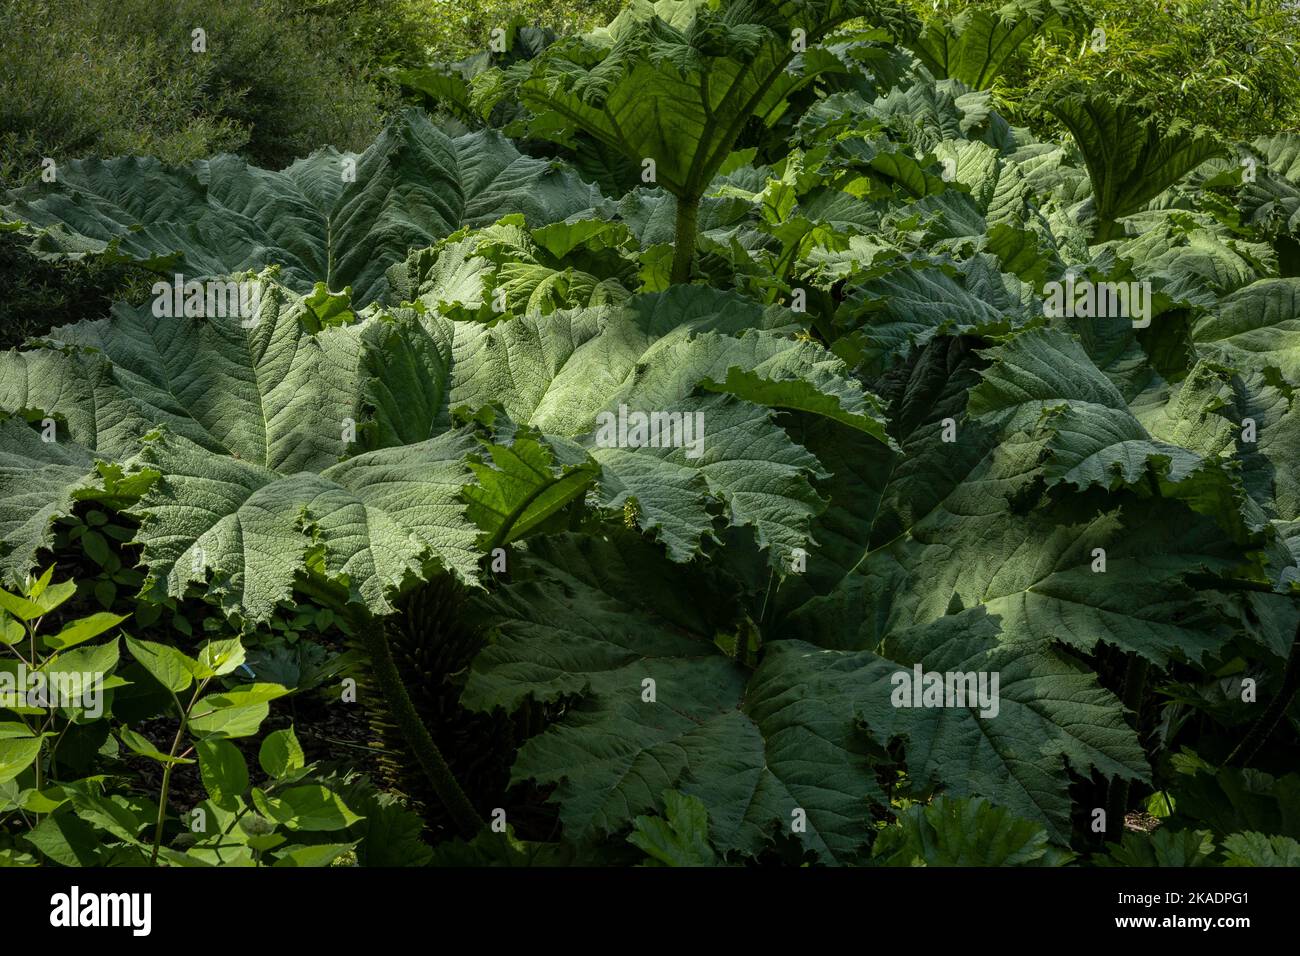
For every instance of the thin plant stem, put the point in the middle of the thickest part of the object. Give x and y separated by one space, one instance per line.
1263 728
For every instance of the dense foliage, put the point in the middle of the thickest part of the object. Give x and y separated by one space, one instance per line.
800 235
1234 60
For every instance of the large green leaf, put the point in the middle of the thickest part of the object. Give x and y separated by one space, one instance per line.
506 269
1255 328
1130 159
269 393
248 531
561 372
885 317
679 90
1257 849
1045 381
598 619
40 481
565 631
1049 714
337 218
955 524
1164 847
976 45
255 422
258 423
1271 198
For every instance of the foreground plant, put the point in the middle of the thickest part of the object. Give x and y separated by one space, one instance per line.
49 681
61 684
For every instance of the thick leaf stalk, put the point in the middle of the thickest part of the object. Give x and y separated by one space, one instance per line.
417 736
687 228
389 680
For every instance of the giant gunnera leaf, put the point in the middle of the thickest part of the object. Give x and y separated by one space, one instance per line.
671 87
976 45
963 553
660 706
245 426
337 218
304 437
1130 158
701 358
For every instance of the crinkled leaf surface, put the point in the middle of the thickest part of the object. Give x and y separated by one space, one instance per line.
337 218
597 619
286 442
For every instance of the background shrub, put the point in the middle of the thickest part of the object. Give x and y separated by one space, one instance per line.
1232 63
112 77
456 29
